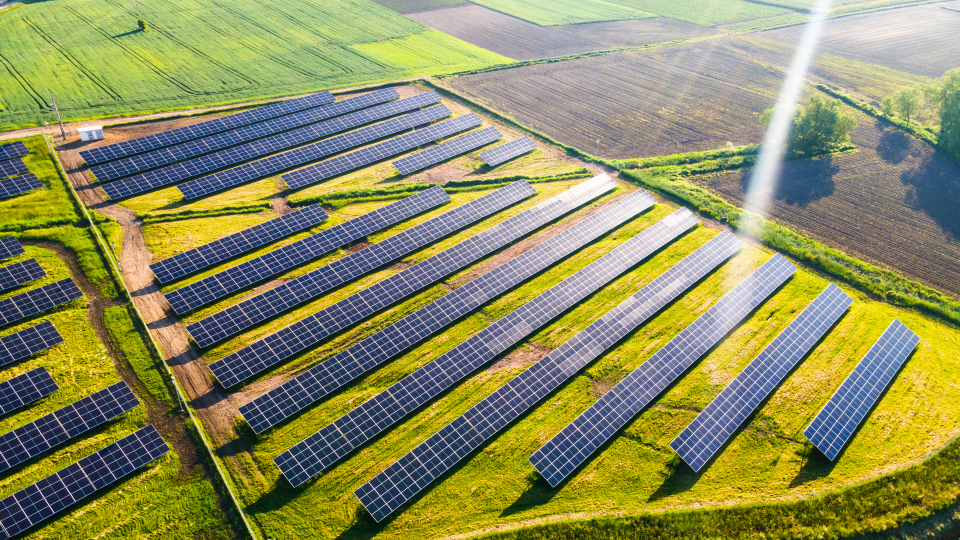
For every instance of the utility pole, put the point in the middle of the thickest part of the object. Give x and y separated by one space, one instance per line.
137 2
421 68
53 105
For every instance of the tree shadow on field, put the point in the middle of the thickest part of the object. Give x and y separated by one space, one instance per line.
681 478
801 182
894 145
935 183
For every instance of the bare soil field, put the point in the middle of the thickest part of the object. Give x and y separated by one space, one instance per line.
922 39
892 202
522 40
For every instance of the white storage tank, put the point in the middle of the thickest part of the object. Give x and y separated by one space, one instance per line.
91 133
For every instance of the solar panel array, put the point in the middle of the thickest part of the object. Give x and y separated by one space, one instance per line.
210 254
576 442
436 154
13 150
380 151
19 184
19 273
203 129
711 429
387 491
38 300
9 247
27 342
171 154
322 449
53 494
257 149
310 153
506 152
24 389
233 279
13 167
296 394
835 423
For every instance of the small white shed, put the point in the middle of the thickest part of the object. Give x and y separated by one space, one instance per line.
91 133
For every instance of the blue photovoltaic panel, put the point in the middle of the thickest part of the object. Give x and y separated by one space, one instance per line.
436 154
203 129
506 152
9 247
28 341
203 165
711 429
38 300
298 393
325 447
372 154
29 441
13 167
253 271
13 150
220 250
164 156
24 389
576 442
60 490
387 491
835 423
19 273
304 334
302 156
19 184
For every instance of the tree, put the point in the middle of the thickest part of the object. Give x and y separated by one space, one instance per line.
906 103
143 25
944 95
821 126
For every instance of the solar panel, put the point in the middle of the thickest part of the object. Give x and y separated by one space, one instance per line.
13 150
203 129
19 273
372 154
24 389
171 154
19 184
325 447
38 300
209 163
62 489
29 341
13 167
298 393
253 271
9 247
441 152
506 152
835 423
301 156
210 254
387 491
576 442
711 429
306 333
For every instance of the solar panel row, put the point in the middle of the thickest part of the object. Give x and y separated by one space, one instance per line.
13 167
576 442
210 254
711 429
302 156
19 184
306 333
19 273
308 387
322 449
387 491
9 247
163 156
28 341
24 389
62 489
436 154
253 271
203 129
31 440
13 150
37 300
835 424
209 163
372 154
506 152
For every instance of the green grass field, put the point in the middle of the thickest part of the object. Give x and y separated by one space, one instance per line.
702 12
